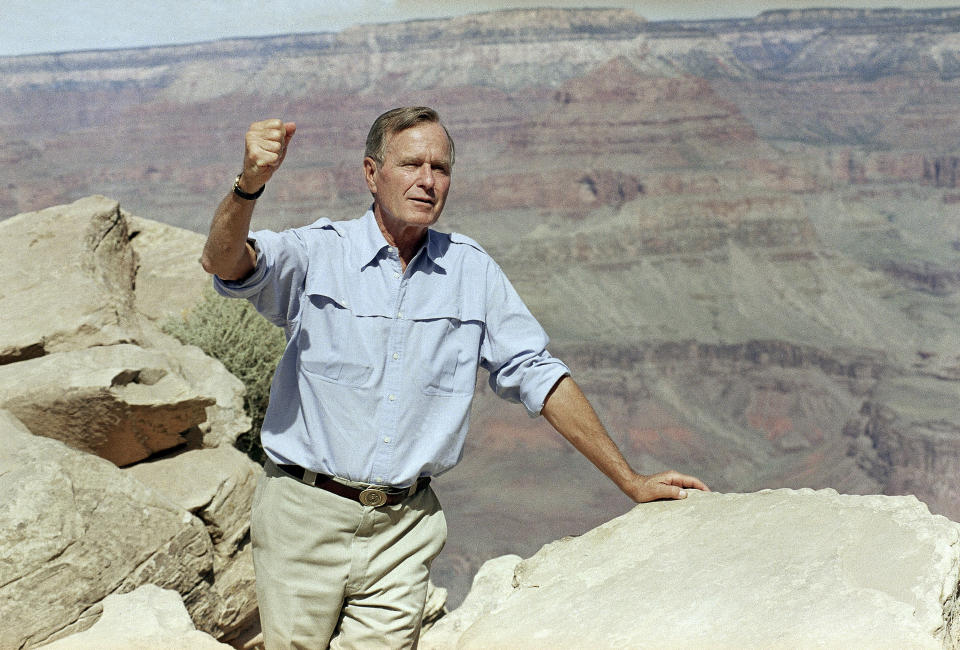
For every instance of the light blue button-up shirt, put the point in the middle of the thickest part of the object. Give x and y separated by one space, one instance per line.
379 371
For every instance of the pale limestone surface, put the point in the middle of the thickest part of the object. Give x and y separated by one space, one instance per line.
89 274
66 279
216 485
492 583
147 618
774 569
170 280
226 417
120 402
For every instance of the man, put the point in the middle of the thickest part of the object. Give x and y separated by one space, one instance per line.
387 322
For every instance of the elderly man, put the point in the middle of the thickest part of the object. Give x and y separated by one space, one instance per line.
387 322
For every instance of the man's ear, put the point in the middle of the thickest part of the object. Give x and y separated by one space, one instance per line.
369 172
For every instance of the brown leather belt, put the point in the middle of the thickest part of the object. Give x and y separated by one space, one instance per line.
372 496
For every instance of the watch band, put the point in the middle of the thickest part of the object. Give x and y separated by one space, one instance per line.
246 195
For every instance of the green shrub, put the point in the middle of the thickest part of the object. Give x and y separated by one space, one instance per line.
246 343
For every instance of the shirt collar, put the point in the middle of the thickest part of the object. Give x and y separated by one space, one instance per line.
370 243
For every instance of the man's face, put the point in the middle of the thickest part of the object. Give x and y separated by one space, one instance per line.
410 187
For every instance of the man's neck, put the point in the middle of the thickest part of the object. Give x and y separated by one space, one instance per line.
406 239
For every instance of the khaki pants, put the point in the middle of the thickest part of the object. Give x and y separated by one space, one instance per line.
331 571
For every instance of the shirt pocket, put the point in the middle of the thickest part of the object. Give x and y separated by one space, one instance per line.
448 342
330 340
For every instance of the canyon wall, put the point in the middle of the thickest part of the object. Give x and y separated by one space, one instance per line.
743 235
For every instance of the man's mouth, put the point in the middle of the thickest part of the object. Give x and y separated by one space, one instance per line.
422 201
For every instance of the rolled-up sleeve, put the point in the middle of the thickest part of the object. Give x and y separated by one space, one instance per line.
514 346
276 284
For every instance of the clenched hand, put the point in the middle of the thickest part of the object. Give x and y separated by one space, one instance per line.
266 147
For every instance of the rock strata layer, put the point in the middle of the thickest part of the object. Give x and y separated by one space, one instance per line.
784 568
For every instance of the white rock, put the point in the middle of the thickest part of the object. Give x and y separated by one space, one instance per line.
148 618
214 484
492 583
170 280
784 568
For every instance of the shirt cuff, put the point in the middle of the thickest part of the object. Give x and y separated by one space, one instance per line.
534 397
249 285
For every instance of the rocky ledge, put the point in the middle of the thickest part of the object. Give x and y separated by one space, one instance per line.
781 568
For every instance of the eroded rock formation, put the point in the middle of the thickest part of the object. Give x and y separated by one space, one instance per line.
88 383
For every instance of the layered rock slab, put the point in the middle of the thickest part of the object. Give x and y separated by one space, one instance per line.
777 568
216 485
120 402
75 530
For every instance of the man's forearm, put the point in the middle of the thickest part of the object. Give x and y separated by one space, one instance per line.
226 252
569 411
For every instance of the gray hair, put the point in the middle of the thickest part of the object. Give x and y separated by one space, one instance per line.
396 120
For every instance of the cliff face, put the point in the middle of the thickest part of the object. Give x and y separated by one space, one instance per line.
742 234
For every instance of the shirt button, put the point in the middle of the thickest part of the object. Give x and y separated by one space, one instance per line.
378 479
396 275
399 314
392 398
387 439
396 355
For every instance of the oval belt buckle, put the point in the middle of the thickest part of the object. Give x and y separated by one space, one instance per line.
373 497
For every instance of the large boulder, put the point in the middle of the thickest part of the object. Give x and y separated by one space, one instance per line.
120 402
492 583
216 485
784 568
77 529
67 276
148 617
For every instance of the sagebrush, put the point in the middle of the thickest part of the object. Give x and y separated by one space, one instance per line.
247 344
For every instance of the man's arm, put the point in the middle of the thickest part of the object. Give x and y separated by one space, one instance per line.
226 252
570 413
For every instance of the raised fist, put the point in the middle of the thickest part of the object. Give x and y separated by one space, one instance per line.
266 147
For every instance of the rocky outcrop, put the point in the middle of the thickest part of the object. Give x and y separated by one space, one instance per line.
77 530
216 485
94 370
147 617
776 568
68 280
170 280
85 364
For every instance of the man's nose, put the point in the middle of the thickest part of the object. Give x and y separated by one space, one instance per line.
425 176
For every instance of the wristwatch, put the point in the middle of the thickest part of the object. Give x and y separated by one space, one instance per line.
246 195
